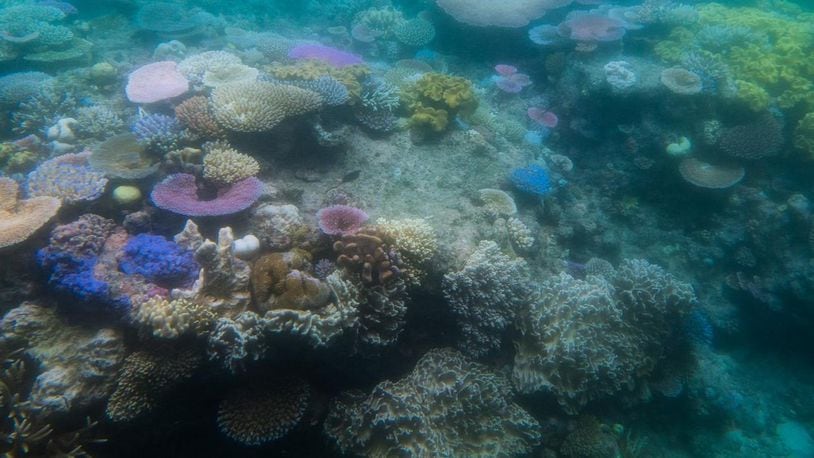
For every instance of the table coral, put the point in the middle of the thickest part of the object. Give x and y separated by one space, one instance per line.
20 219
256 106
178 193
68 177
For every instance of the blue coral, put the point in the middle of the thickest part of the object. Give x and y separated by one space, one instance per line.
158 260
532 180
71 274
159 132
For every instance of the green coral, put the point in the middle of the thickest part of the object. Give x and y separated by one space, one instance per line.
436 98
769 58
16 160
804 134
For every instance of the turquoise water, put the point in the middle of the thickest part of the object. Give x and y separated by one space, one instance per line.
430 228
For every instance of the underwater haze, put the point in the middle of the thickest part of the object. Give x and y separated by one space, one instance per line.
407 228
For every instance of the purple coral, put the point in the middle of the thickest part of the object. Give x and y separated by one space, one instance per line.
180 193
509 80
331 56
159 260
341 219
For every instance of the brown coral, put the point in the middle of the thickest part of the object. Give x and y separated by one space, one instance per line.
279 281
194 113
367 254
263 413
20 219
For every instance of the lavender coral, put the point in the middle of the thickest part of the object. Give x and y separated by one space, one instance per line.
341 220
179 193
67 177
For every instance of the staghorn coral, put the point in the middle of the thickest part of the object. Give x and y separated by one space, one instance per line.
223 165
68 177
98 121
519 235
158 132
587 339
258 106
20 219
145 379
485 296
195 114
447 406
170 319
264 412
332 91
42 110
16 87
76 366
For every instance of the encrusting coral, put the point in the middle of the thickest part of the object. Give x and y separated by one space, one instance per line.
447 406
586 339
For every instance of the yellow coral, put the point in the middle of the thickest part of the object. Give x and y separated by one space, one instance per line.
224 165
777 67
351 76
416 242
436 98
171 319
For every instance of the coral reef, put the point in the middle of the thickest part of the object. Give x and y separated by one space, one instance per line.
446 406
486 295
586 339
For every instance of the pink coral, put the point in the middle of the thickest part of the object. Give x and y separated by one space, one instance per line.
155 82
509 80
179 194
591 27
341 220
331 56
543 117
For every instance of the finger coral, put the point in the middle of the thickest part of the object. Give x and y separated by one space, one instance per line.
20 219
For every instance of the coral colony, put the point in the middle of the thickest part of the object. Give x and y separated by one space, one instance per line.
448 228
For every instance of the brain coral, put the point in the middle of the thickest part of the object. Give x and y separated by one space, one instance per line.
20 219
485 296
256 106
587 339
265 412
447 406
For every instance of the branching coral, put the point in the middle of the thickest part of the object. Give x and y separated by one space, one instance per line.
486 295
224 165
68 177
447 406
416 243
587 339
